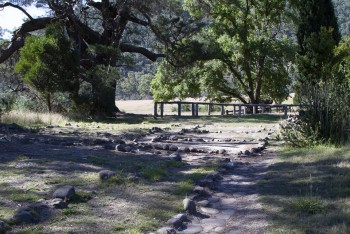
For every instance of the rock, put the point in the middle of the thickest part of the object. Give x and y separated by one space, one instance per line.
109 146
189 206
158 146
120 147
106 174
175 157
64 192
193 229
199 190
200 140
228 165
203 203
58 203
186 149
177 221
24 217
166 147
166 230
247 153
145 147
156 129
119 142
31 214
173 148
173 138
157 139
222 151
134 178
205 182
193 150
214 176
128 148
100 141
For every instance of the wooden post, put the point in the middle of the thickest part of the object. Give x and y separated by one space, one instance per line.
193 110
209 109
179 109
197 109
222 110
240 110
254 110
234 109
285 107
162 109
155 109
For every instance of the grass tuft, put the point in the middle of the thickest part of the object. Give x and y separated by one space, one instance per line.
308 205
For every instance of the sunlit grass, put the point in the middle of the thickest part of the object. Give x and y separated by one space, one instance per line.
33 118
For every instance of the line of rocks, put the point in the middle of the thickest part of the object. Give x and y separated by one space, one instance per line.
214 211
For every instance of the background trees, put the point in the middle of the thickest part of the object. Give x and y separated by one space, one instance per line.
241 53
322 83
101 33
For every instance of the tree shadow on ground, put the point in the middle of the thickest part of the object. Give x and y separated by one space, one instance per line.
308 197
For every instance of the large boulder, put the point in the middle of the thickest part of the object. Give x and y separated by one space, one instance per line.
64 192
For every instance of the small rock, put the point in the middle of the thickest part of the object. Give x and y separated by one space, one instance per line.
109 146
228 165
120 148
186 149
203 203
106 174
177 220
189 206
193 150
23 216
247 152
166 147
176 157
173 148
58 203
200 140
222 151
64 192
173 138
166 230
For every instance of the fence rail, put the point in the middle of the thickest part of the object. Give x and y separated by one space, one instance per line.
237 109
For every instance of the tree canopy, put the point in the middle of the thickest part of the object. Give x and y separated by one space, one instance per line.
242 52
102 33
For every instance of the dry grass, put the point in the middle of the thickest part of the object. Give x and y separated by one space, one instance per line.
308 191
33 118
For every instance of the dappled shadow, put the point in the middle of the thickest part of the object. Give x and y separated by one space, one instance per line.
310 196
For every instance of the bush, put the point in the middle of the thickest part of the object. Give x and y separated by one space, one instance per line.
298 133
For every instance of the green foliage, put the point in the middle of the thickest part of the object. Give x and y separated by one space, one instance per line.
323 85
297 133
48 63
240 54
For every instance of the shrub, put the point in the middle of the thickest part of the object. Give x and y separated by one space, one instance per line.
298 133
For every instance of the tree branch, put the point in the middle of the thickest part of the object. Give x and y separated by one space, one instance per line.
16 6
12 48
141 50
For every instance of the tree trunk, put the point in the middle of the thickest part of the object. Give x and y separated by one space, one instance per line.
48 102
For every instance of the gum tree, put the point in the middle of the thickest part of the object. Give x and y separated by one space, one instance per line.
242 53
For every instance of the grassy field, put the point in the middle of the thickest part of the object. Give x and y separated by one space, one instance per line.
308 190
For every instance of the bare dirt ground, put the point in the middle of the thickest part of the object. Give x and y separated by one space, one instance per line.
34 163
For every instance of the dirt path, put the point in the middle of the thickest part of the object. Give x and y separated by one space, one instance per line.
41 161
